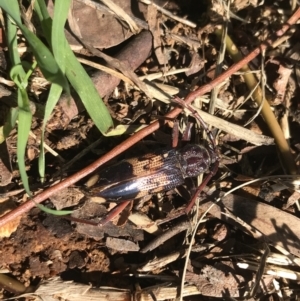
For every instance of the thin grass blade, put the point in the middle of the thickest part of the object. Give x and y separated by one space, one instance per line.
58 43
78 77
44 57
24 118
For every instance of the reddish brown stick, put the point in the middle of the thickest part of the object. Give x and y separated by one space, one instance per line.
141 134
113 213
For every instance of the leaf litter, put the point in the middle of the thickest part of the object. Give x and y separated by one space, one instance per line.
246 247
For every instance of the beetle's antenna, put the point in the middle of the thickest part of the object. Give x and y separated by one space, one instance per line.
183 104
213 145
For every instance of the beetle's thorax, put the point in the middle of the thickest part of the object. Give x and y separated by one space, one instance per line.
194 160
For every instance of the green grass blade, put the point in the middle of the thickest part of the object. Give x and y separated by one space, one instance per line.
54 94
50 70
78 77
11 34
10 121
86 90
58 43
44 57
52 211
44 18
12 8
24 118
22 113
18 75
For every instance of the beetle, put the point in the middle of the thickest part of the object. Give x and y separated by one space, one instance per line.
160 171
156 172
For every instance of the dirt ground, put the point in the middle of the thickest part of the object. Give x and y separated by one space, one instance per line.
245 246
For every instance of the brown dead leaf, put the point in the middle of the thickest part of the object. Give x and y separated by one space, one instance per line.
294 197
197 63
142 221
238 5
122 15
280 84
5 207
76 260
67 197
73 22
153 22
220 280
220 232
277 226
121 245
5 165
98 27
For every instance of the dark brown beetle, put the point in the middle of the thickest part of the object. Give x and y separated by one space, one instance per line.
157 172
152 173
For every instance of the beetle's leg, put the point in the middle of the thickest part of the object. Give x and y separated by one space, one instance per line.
186 136
113 213
191 204
79 220
175 134
107 218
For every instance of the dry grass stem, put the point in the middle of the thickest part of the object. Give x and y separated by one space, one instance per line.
107 70
266 111
58 290
236 130
271 270
103 8
220 60
122 15
155 92
47 147
169 14
157 75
